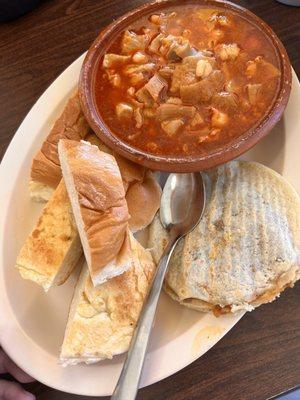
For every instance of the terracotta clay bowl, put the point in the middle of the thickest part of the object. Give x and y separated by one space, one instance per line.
184 163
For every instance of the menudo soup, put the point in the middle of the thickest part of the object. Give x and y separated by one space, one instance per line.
179 83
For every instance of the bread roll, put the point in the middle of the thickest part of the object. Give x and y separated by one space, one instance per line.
102 320
45 167
96 192
53 248
142 190
246 249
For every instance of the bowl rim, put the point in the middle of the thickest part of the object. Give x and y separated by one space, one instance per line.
231 150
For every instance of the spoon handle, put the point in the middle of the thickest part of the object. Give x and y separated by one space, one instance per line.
128 382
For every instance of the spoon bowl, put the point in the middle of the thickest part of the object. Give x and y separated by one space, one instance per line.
182 205
182 201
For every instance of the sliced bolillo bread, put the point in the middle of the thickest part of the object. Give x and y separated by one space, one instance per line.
97 196
53 248
45 168
102 320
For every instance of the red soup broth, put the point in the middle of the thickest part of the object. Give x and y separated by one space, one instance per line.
187 80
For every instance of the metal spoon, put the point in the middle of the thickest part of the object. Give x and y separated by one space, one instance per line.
182 205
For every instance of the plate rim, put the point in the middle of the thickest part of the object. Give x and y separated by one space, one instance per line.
6 166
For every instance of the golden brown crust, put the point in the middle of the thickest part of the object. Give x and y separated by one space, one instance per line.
143 200
131 172
97 195
45 171
70 125
102 319
53 244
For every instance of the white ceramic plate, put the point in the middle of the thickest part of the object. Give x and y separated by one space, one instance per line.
32 323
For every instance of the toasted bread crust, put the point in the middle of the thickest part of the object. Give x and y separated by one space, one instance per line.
102 320
53 248
70 125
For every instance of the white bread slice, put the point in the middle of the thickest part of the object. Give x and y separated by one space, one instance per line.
102 320
45 167
53 248
97 196
246 249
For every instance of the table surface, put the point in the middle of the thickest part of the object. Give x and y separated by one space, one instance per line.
260 357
